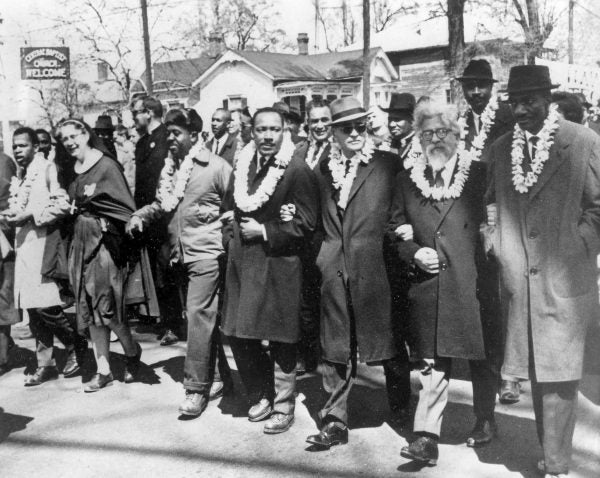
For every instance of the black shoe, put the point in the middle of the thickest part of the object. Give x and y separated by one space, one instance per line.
132 366
483 433
98 382
71 367
334 433
41 375
4 368
509 392
169 338
423 449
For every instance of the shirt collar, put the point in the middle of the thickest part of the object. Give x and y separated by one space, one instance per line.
448 169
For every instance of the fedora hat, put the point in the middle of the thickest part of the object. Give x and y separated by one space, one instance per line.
477 70
104 122
401 102
289 112
346 109
526 78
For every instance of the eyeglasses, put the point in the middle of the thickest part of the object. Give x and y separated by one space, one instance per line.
441 133
134 113
360 128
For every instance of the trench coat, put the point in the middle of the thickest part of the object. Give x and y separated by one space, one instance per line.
546 242
443 309
351 261
264 278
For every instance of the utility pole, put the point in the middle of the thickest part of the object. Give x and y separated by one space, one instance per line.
345 21
571 8
366 56
144 5
316 40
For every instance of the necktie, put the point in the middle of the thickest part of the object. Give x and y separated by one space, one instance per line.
318 146
216 146
533 140
437 180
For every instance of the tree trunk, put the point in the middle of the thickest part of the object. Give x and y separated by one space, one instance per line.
366 55
456 45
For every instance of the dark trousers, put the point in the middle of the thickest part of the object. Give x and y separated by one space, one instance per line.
269 375
5 342
204 347
310 304
46 323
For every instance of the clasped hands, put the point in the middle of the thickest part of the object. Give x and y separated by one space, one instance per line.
14 218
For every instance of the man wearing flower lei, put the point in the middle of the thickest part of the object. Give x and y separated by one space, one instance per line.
544 202
355 182
441 197
264 270
483 122
190 192
313 151
30 212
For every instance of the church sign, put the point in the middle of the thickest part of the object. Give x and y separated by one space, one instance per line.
45 63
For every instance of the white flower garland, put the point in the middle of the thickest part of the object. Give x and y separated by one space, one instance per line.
414 154
488 117
453 191
522 181
342 179
171 190
251 202
312 146
20 189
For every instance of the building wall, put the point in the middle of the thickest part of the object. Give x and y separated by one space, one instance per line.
230 81
425 79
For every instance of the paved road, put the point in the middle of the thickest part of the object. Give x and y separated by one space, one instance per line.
56 430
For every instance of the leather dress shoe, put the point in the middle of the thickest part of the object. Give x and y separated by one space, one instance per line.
41 375
260 410
278 423
98 382
4 368
71 367
423 450
509 392
334 433
132 366
219 389
169 338
483 433
194 404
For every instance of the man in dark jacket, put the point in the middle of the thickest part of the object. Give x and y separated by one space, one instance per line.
223 143
264 271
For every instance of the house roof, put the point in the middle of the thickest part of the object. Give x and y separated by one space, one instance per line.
176 73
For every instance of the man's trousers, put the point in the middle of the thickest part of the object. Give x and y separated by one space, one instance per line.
270 375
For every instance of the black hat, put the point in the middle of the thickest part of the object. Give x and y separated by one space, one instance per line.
477 70
401 103
526 78
104 122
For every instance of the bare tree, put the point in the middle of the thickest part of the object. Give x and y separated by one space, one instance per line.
384 12
456 42
60 99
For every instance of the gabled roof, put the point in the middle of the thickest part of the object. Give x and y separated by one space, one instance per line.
178 73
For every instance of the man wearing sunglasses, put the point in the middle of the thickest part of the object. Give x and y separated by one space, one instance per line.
355 182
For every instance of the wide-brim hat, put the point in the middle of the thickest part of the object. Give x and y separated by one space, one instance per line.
289 112
527 78
478 70
104 122
401 103
346 109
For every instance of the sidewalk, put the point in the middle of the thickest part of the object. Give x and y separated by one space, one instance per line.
56 430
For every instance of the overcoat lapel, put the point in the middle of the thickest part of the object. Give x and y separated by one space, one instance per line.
362 173
557 154
331 205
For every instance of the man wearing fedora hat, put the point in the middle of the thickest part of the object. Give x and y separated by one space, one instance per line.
355 182
483 122
544 203
400 119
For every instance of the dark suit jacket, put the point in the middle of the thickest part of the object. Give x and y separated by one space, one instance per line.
444 315
503 123
352 260
227 151
263 287
546 243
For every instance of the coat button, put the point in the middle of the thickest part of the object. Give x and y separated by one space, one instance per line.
533 234
438 234
340 273
533 271
443 266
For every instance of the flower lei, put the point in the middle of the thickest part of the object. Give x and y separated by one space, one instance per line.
449 191
342 179
488 116
310 153
20 189
414 154
251 202
171 190
522 181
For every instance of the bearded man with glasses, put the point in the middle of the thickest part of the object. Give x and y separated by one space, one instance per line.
355 182
441 198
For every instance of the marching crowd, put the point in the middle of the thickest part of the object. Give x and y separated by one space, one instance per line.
435 236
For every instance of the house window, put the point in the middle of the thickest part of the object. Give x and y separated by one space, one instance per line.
236 102
331 98
448 96
102 72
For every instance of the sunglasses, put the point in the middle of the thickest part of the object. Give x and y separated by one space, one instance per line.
441 133
360 128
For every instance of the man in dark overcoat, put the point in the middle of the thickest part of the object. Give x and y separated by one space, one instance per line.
264 271
356 182
545 204
400 123
223 143
441 197
483 122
